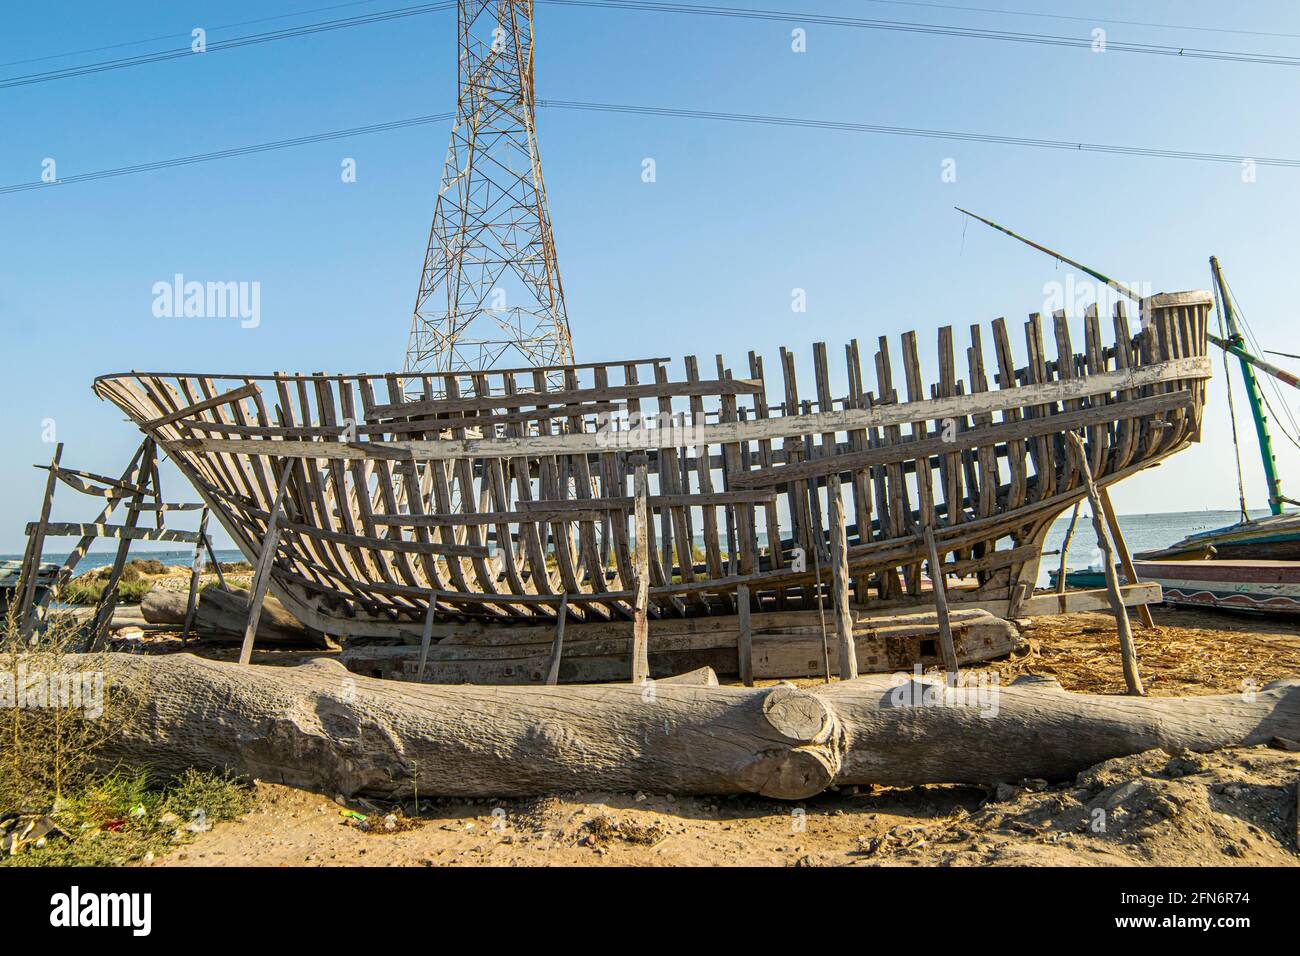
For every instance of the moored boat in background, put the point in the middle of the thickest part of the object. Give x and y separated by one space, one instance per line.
1253 565
1236 585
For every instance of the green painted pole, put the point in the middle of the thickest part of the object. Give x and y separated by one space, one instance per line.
1236 346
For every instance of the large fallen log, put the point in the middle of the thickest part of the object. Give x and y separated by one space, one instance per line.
222 613
321 727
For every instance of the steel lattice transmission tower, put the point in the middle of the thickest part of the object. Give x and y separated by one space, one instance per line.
490 294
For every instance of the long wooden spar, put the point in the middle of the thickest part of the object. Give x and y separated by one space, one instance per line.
1227 345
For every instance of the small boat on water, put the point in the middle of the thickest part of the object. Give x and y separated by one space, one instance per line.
1082 578
1274 538
11 571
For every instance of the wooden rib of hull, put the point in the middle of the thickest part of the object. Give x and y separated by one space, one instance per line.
495 494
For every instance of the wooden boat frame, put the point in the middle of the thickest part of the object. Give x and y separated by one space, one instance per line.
500 494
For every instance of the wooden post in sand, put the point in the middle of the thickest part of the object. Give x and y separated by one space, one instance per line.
641 611
1125 559
1065 550
745 639
31 570
196 568
108 598
840 581
1128 655
941 608
557 644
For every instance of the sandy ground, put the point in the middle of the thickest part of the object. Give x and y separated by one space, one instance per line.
1235 807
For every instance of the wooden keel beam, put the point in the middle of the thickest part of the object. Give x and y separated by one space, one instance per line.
780 742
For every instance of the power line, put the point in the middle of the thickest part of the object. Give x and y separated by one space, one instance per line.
899 26
935 29
1077 19
231 44
184 36
230 153
919 132
746 118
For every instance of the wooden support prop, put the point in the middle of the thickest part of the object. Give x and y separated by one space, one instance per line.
79 551
821 608
196 569
212 556
557 645
108 599
745 639
1125 559
641 621
35 545
427 636
1065 549
1127 654
262 576
840 570
85 481
941 608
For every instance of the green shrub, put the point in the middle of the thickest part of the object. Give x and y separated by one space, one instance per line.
148 566
123 816
86 590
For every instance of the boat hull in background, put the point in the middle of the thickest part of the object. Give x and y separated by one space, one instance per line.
1264 587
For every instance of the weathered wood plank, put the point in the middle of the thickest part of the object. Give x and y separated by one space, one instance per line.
786 426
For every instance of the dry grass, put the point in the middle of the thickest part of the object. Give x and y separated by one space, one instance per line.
1189 652
51 768
56 712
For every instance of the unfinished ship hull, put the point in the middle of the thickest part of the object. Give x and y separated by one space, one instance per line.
492 497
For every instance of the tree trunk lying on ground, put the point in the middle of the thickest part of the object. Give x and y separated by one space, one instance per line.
222 613
323 728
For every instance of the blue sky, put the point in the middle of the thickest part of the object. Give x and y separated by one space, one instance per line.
702 260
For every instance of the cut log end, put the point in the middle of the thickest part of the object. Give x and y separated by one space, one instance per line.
798 715
790 774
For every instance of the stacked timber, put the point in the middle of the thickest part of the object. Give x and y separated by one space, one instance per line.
784 645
